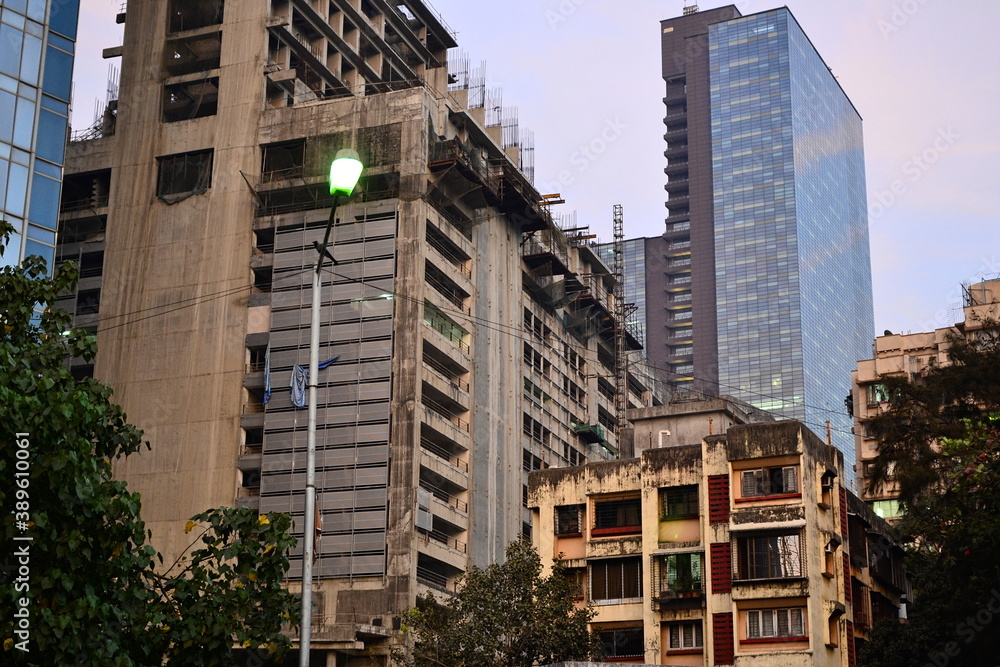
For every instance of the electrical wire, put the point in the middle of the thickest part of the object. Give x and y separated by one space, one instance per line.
519 333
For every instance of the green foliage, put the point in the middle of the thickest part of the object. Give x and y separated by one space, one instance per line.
507 615
94 595
942 436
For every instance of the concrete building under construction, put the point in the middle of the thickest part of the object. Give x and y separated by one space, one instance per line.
475 340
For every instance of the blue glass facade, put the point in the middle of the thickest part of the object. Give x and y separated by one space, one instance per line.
634 264
792 265
37 39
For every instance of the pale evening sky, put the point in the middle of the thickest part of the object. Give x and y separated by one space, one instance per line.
924 75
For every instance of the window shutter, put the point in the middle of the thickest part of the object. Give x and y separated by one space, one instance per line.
753 624
797 628
722 632
688 635
750 483
851 655
718 499
767 623
783 623
722 568
791 479
699 640
675 636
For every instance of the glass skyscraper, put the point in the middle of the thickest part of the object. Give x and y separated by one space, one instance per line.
765 167
37 40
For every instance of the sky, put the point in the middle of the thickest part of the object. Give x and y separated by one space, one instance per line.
585 76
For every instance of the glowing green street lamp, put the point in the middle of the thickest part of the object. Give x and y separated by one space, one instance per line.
345 170
344 174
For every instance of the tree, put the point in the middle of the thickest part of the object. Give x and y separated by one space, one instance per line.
507 615
940 439
80 576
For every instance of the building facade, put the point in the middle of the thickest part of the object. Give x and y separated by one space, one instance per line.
907 355
37 41
763 276
733 550
473 341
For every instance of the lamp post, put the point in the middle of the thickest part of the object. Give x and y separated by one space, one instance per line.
344 173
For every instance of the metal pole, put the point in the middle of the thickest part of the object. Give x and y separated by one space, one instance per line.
309 538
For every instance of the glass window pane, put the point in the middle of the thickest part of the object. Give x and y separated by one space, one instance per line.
36 9
55 105
62 18
7 102
24 123
44 209
64 44
4 166
31 59
10 49
12 251
48 169
51 142
46 252
40 234
58 73
16 20
17 189
16 5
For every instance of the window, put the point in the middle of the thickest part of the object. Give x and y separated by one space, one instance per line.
621 643
768 557
616 580
780 480
184 174
680 502
887 509
877 393
569 520
776 623
685 636
575 579
618 517
680 575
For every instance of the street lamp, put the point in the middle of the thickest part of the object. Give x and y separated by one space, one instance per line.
344 173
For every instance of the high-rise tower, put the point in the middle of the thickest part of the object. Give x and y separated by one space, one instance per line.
765 268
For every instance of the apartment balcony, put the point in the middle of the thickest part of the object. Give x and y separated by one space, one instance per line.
444 468
446 291
445 381
436 575
677 166
676 149
443 548
674 134
680 184
679 198
675 115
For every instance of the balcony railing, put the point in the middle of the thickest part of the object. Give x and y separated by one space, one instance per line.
440 452
446 373
444 540
434 408
445 497
433 579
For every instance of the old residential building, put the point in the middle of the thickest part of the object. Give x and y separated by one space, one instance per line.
474 341
730 550
907 355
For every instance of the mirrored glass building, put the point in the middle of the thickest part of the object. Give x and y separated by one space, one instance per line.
37 40
765 275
